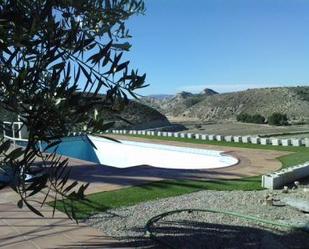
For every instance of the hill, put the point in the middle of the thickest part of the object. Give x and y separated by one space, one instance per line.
293 101
139 115
178 104
135 115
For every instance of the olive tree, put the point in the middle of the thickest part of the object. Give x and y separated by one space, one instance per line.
57 58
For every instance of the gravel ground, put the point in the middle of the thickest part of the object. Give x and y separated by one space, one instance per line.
208 230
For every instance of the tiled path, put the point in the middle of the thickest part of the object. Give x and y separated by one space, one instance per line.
21 229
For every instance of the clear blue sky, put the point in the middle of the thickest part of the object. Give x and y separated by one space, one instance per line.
226 45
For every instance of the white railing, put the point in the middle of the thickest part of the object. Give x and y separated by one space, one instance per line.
15 134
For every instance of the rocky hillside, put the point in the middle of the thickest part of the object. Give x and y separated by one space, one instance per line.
209 105
139 117
178 104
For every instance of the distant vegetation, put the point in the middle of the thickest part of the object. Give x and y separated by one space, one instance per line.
193 100
302 92
276 118
247 118
292 101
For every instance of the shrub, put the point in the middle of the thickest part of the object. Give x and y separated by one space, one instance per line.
247 118
278 119
258 119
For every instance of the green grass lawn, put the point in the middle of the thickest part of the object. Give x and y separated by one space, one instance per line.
103 201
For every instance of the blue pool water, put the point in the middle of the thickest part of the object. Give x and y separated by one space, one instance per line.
129 153
77 147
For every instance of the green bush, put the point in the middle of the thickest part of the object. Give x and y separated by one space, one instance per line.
258 119
247 118
278 119
242 117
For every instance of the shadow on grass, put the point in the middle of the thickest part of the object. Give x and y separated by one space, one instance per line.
103 201
142 173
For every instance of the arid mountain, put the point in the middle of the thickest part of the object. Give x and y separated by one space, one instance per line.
140 117
160 96
208 92
293 101
178 104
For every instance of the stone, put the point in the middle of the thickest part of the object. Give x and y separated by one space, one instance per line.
285 189
298 203
269 201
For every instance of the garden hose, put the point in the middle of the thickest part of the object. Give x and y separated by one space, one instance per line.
149 233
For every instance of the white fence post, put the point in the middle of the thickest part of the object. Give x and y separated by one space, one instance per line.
228 138
275 141
296 142
204 136
264 140
219 137
255 140
237 139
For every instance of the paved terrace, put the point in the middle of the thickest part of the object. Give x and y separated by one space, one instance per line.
21 229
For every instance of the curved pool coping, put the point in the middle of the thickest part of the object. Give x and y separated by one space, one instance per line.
232 154
221 158
251 161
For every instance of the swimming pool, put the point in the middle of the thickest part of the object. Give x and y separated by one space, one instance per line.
128 154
